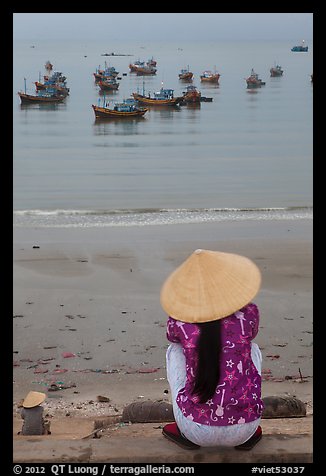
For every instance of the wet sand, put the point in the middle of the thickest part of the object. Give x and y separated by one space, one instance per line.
87 318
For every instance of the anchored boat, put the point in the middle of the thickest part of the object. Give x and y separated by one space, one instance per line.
254 81
276 71
186 74
301 47
120 110
210 77
164 97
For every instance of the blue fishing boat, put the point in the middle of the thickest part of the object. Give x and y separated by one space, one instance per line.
106 73
301 47
56 81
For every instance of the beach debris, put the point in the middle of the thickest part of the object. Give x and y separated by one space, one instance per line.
39 370
56 386
94 434
101 398
67 355
273 357
45 361
148 370
17 315
148 412
267 374
59 371
35 246
283 407
50 347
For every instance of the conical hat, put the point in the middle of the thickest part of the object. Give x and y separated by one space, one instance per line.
33 399
210 285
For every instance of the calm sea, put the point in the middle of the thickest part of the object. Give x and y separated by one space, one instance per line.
246 154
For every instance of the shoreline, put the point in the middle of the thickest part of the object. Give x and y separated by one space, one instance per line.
94 293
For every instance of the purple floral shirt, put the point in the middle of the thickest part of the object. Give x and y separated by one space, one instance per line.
237 398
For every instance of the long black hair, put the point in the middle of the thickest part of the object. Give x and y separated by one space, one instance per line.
208 368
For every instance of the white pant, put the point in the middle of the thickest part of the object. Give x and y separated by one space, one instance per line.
205 435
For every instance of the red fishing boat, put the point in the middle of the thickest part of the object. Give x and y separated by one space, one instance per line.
192 95
210 77
185 74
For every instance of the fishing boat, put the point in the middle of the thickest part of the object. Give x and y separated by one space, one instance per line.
145 70
61 90
56 81
185 74
107 72
121 110
109 84
44 97
164 97
301 47
210 77
192 95
49 95
276 70
134 66
253 81
142 68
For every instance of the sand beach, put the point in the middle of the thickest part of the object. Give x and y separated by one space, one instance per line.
87 320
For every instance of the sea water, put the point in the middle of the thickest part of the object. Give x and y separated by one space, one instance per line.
245 155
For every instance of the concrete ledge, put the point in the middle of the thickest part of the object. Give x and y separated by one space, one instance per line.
156 449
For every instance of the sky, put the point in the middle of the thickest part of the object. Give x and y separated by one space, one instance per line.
163 26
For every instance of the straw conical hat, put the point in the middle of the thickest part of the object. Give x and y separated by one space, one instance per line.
210 285
33 399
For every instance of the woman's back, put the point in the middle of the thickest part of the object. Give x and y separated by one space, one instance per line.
237 398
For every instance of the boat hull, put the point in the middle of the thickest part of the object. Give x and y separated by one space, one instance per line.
157 102
105 86
145 71
28 99
300 48
104 113
186 76
210 79
192 97
275 72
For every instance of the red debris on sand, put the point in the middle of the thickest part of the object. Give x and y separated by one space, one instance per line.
66 355
143 371
148 371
